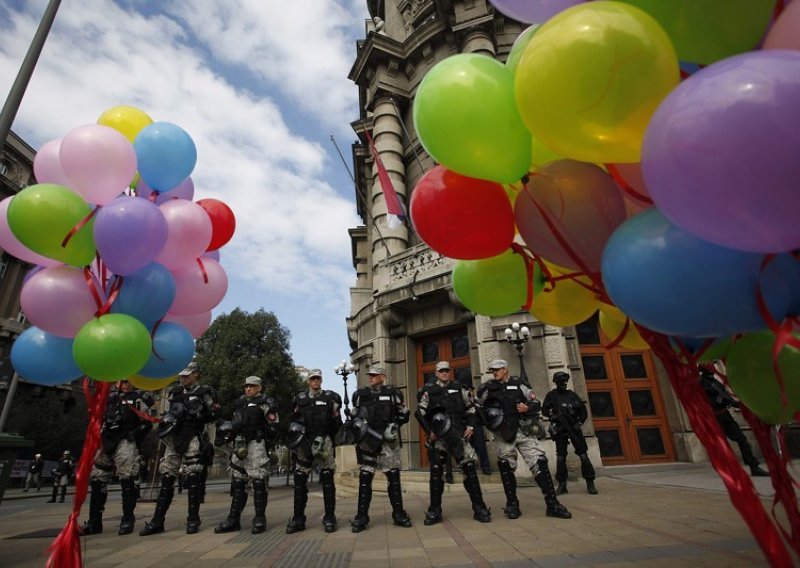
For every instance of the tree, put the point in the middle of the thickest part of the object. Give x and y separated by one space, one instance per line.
240 344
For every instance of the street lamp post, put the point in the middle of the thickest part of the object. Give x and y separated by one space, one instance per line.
344 369
517 336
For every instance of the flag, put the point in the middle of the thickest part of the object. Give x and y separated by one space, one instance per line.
396 214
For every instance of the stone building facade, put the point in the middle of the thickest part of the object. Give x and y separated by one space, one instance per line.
404 313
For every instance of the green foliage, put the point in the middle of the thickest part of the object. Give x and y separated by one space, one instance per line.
240 344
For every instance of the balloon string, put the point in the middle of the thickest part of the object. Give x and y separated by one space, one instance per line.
92 284
780 5
81 224
144 415
621 335
153 339
683 378
627 188
203 270
112 295
529 272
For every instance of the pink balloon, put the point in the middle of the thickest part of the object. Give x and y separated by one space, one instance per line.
99 162
630 180
785 33
58 300
197 324
582 203
47 164
184 190
199 287
10 244
188 233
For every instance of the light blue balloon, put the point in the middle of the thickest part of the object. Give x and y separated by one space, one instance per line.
44 358
173 349
672 282
165 155
146 294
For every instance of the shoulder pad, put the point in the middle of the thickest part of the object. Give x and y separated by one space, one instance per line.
176 390
204 389
302 395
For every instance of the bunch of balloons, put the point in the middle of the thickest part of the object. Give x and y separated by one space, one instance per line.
127 264
644 156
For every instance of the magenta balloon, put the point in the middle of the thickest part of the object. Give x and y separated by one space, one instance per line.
129 233
184 190
197 324
188 233
47 164
58 300
99 162
785 32
721 155
10 244
533 11
581 201
198 289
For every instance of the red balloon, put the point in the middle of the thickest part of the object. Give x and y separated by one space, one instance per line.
462 217
223 222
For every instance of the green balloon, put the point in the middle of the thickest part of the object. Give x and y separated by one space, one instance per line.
752 378
467 119
705 31
112 347
717 350
495 286
519 46
41 216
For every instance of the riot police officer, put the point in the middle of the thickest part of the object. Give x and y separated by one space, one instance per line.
253 428
380 410
508 407
567 412
61 474
125 425
447 414
316 421
721 401
191 407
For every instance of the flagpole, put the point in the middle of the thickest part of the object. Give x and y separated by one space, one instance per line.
14 99
408 137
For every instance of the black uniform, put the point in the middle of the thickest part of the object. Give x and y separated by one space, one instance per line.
567 412
61 474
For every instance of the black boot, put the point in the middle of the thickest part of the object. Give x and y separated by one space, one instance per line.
561 475
63 494
399 514
545 483
165 494
260 502
587 471
55 494
756 471
238 501
364 499
436 484
329 498
510 487
194 488
298 521
130 494
480 512
97 503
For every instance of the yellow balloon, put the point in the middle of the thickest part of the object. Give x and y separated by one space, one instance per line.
591 78
541 154
149 384
612 321
125 119
568 303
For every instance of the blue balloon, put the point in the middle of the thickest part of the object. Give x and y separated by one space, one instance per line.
165 155
672 282
44 358
173 349
146 294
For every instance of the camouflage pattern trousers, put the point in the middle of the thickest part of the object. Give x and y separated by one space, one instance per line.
255 462
388 458
172 460
325 458
125 461
467 451
528 448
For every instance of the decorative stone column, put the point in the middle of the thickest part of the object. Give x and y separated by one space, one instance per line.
479 41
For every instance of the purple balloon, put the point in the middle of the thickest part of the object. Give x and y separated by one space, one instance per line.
212 254
129 233
58 300
721 156
533 11
184 190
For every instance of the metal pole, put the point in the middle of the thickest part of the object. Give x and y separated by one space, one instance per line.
12 391
11 106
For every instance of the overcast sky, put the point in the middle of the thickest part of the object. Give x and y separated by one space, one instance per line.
259 85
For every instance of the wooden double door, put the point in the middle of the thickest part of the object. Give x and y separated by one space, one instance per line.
627 408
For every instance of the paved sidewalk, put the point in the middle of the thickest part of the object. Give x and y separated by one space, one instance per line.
676 515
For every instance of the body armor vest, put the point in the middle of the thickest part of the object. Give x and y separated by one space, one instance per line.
567 405
450 399
317 412
194 407
505 396
119 416
249 412
378 406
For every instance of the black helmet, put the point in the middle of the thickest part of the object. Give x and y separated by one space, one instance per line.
368 440
560 376
494 417
295 435
440 424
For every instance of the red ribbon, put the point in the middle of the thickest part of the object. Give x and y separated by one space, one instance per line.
517 248
627 188
81 224
65 551
203 270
